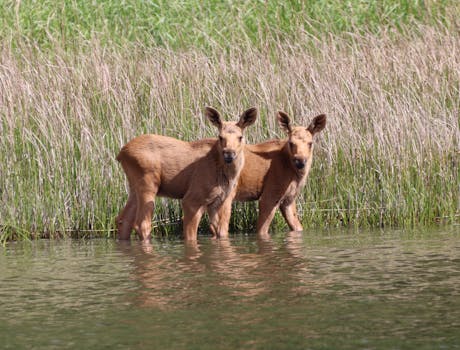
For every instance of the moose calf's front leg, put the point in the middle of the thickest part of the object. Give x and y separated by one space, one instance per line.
213 221
225 212
267 209
289 212
192 217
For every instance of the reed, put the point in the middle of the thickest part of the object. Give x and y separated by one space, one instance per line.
389 154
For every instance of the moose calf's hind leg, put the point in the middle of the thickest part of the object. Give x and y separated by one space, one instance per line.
144 213
145 194
125 219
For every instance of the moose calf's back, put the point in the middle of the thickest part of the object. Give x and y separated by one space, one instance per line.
171 161
259 160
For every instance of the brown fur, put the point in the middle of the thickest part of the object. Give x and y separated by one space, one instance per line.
275 172
196 172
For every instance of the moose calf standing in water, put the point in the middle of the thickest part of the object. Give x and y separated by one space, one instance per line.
204 174
275 172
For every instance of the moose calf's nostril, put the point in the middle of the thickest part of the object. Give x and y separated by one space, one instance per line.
229 157
299 163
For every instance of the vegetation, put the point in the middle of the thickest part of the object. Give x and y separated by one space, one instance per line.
78 80
193 23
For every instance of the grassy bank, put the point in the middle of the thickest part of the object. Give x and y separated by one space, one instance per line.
388 156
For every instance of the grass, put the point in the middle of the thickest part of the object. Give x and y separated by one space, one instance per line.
73 94
205 24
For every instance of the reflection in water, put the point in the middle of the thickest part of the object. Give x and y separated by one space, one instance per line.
295 290
171 281
212 270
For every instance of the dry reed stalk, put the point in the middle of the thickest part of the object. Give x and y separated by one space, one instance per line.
392 106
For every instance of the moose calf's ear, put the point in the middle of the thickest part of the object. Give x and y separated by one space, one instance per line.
213 116
284 121
318 123
248 117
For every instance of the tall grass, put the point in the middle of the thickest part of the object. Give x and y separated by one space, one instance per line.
389 154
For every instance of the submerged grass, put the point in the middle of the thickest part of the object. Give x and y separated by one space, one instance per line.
389 154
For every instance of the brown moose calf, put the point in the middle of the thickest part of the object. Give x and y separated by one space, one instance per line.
203 174
275 172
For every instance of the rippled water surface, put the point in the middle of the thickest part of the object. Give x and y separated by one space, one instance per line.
315 290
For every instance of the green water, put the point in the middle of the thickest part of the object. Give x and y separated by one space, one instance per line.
316 290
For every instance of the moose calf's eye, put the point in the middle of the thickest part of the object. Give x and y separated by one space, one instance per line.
241 138
221 138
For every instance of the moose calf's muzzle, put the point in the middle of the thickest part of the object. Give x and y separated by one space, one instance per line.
300 163
229 156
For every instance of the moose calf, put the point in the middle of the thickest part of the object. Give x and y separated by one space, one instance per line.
275 172
204 174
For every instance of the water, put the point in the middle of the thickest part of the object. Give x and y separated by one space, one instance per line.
316 290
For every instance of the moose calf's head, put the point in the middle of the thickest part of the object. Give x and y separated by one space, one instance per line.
231 139
300 142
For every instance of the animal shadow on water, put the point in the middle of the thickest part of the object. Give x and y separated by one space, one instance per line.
203 174
276 171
